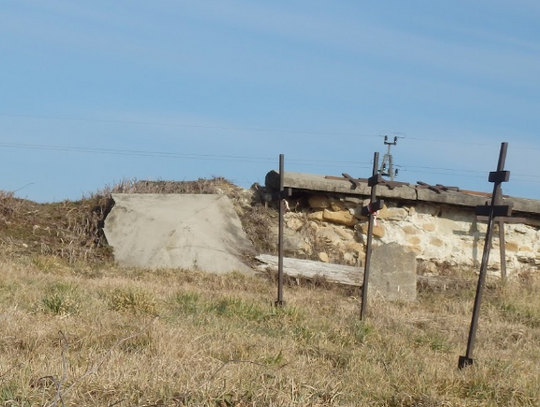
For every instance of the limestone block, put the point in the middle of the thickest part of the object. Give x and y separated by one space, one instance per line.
329 236
352 200
323 257
295 224
345 233
511 247
394 214
414 249
349 258
355 247
409 230
414 240
429 227
378 230
337 206
393 273
447 226
319 201
341 217
318 216
352 203
435 241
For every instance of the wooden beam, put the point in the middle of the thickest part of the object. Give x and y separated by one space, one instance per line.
346 275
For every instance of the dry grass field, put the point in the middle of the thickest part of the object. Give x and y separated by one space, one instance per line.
79 331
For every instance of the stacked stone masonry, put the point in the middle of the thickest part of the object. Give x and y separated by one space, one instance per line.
330 227
334 230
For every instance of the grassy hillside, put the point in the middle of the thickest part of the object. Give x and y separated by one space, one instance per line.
79 331
78 335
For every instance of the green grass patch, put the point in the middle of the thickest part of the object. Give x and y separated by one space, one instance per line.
132 300
61 298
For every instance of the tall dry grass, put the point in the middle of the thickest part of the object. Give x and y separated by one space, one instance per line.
83 335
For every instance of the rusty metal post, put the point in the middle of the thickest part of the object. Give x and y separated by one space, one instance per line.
279 301
497 178
371 223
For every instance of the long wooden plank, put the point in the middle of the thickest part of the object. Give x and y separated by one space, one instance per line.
334 273
341 274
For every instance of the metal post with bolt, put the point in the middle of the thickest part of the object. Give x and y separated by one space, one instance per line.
283 193
492 211
370 210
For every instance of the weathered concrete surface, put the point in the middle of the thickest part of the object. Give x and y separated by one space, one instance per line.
392 273
320 183
314 182
177 231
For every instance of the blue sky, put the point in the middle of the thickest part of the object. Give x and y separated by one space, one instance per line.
96 92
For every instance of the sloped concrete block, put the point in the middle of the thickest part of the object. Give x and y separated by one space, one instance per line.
183 231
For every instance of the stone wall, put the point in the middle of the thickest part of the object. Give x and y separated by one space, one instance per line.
330 227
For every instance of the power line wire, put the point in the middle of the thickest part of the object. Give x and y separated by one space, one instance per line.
142 153
173 155
263 130
302 162
200 126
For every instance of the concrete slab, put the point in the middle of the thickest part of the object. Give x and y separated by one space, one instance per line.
320 183
183 231
393 273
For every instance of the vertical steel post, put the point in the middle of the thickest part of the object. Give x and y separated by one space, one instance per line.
495 198
369 240
279 301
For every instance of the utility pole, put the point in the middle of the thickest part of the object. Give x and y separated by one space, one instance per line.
387 165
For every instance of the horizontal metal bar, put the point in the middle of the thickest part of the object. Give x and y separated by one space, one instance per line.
498 210
499 176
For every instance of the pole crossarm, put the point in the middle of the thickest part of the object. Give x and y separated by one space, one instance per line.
496 211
